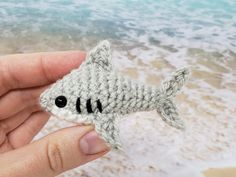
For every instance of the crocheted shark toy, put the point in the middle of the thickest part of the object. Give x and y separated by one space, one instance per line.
96 93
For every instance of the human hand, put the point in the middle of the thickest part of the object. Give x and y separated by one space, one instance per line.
23 78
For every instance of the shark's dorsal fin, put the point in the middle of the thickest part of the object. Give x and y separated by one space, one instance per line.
100 55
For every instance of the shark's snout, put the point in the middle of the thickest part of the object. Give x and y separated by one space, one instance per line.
43 102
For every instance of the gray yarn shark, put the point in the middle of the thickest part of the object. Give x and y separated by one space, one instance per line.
95 93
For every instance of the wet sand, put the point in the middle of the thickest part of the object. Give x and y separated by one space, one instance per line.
220 172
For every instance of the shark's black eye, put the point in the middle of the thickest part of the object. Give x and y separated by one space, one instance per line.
61 101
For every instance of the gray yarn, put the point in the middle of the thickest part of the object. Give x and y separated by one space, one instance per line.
96 79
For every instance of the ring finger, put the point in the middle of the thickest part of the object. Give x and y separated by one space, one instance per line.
17 100
16 120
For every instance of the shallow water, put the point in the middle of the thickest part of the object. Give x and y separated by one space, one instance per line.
150 39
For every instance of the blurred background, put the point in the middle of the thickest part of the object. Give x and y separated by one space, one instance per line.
150 39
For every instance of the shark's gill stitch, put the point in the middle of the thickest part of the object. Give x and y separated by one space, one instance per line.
96 93
99 106
89 106
78 105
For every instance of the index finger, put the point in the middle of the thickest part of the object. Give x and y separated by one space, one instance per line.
36 69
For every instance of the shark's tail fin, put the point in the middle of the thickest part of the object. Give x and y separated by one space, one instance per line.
169 88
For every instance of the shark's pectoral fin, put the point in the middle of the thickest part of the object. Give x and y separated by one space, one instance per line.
170 115
100 55
106 126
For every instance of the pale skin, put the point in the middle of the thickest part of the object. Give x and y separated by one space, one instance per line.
23 78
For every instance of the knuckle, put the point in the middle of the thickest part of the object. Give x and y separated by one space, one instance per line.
3 131
34 108
3 77
44 70
54 157
10 75
4 127
24 96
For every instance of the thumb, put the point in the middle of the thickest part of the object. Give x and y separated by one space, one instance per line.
54 154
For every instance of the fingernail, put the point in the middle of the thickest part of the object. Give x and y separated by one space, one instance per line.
91 143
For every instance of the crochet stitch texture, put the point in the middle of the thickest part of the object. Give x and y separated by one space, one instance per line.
96 93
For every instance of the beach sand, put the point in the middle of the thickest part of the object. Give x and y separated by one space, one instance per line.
220 172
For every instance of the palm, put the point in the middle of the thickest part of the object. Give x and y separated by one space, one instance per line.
22 80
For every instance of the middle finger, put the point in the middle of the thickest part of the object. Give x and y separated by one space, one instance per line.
17 100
